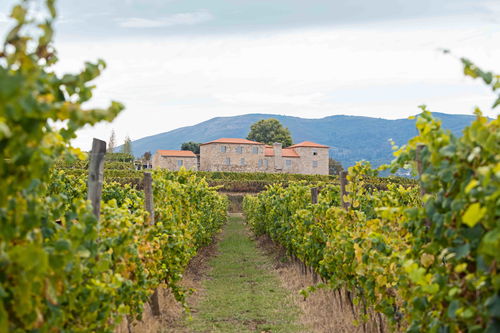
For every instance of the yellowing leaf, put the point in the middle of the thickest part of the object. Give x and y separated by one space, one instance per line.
427 259
473 214
460 268
473 183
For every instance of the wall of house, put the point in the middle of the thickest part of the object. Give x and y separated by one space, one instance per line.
294 167
171 162
307 157
212 159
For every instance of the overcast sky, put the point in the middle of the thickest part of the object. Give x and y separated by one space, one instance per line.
175 63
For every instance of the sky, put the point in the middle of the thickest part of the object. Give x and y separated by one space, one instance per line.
176 63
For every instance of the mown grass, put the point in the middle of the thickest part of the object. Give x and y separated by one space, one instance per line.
241 292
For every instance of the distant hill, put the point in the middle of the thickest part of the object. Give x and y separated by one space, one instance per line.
351 138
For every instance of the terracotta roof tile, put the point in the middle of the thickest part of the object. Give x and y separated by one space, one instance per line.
285 152
308 144
234 140
176 153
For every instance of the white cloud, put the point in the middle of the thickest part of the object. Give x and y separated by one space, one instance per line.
3 18
372 70
263 98
192 18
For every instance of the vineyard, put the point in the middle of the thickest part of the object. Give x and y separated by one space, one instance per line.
426 257
62 267
87 241
70 270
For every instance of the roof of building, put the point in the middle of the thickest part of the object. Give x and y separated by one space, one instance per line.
285 152
235 141
308 144
176 153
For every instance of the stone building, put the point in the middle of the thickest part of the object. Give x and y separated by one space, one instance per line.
175 159
241 155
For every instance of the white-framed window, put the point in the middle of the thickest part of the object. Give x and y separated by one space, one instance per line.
255 150
261 163
180 163
266 164
315 164
239 150
227 161
288 163
315 152
223 149
242 161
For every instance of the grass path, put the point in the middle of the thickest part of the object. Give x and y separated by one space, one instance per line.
241 292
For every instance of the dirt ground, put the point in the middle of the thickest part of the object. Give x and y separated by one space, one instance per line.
171 317
323 311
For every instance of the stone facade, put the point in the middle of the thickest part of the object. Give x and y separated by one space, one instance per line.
175 159
240 155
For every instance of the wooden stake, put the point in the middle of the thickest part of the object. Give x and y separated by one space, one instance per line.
314 195
96 175
343 184
154 302
148 197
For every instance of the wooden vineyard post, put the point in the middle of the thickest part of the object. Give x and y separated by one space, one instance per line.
314 195
155 303
96 175
343 184
149 206
148 197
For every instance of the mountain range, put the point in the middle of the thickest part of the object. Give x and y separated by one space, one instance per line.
351 138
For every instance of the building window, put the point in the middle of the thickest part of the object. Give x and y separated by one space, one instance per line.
227 161
180 163
239 150
315 152
223 149
266 164
315 164
260 163
288 163
242 161
255 150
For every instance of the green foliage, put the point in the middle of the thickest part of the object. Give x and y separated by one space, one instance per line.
492 80
264 176
334 167
35 250
429 266
191 146
119 157
269 131
131 257
257 181
147 156
61 269
458 226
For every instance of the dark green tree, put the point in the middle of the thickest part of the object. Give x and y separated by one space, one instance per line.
334 167
192 146
269 131
147 156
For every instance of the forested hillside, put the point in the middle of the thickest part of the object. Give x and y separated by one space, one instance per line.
352 138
